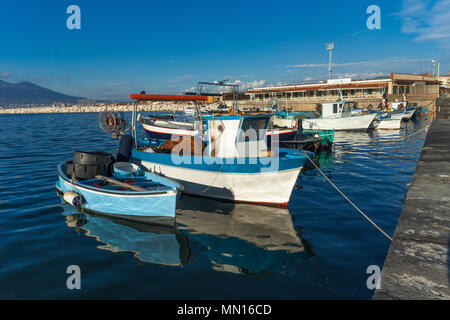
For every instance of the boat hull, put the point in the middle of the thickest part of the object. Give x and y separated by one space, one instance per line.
361 122
249 183
386 124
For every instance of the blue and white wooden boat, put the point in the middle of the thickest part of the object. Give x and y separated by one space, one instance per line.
234 162
165 129
157 197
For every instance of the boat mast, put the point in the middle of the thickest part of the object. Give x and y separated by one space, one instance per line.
222 83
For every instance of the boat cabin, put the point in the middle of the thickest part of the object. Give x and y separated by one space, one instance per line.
399 105
237 136
336 109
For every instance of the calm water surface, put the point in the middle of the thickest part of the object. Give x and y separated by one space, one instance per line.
318 249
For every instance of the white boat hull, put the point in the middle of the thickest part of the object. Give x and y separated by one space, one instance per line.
360 122
271 188
389 124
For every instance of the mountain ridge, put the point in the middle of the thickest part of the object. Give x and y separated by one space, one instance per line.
25 92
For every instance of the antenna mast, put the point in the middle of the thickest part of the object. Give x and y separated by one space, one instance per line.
330 48
434 66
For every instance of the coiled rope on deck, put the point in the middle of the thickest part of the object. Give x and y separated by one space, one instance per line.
346 198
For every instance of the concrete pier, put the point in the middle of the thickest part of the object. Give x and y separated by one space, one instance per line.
418 261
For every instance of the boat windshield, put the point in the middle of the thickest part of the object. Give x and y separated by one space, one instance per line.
347 108
252 129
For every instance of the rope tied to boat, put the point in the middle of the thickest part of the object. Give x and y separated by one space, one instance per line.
417 132
346 198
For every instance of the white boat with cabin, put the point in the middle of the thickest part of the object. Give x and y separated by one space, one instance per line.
233 162
338 116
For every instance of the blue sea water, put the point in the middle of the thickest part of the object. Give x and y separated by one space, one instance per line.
318 249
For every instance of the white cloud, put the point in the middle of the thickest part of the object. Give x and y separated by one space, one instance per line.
363 75
429 20
182 79
378 62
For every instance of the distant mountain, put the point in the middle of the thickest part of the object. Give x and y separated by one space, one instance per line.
30 93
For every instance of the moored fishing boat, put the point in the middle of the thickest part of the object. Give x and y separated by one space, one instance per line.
387 121
166 129
232 163
127 192
338 116
190 110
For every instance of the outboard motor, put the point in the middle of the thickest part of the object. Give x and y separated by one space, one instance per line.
125 146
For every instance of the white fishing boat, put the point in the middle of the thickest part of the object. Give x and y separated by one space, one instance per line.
402 108
399 105
190 110
338 116
233 163
387 121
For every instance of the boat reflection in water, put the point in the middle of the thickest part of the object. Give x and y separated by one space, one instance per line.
242 238
237 238
150 243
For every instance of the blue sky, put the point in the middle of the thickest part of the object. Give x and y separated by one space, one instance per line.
167 46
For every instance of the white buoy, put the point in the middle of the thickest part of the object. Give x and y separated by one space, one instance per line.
72 198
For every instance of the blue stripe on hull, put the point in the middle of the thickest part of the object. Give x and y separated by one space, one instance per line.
287 160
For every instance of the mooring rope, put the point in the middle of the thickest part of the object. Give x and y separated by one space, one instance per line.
417 132
346 198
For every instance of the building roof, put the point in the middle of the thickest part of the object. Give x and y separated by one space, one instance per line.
324 86
349 84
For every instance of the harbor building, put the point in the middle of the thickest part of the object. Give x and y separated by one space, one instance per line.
421 89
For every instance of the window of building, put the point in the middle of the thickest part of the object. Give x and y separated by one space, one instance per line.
407 89
394 89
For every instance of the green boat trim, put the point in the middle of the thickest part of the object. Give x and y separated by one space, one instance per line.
327 136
